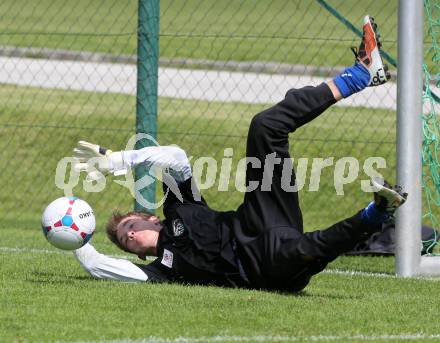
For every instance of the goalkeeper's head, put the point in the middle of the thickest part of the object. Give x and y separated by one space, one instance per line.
135 232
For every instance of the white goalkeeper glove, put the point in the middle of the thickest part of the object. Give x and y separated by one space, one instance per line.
97 161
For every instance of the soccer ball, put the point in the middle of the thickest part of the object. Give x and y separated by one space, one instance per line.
68 223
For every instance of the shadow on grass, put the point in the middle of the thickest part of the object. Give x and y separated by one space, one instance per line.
252 293
54 278
49 277
306 293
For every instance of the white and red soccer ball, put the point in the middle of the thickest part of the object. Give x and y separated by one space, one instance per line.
68 223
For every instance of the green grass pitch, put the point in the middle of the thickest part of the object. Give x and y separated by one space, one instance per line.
285 31
47 297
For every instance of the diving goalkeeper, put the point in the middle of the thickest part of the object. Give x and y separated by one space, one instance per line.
262 244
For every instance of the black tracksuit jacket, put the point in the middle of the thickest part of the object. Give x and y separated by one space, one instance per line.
261 245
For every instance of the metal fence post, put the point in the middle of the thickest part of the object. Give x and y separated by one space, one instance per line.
147 82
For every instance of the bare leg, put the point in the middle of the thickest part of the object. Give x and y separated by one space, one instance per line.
335 91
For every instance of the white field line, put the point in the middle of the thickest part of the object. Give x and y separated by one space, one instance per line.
375 275
317 338
210 85
61 252
357 273
150 258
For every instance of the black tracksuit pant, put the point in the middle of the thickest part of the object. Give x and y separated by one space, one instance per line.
272 247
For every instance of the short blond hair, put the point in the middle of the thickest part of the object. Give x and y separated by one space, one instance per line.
115 219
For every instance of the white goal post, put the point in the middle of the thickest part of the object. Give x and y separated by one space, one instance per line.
409 261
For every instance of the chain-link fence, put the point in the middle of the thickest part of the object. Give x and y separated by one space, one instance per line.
68 72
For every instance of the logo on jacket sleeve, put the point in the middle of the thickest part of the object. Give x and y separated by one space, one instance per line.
178 227
167 258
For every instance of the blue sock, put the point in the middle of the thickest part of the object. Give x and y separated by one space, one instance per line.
352 79
371 215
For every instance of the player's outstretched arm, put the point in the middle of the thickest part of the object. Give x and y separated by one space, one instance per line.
101 266
170 158
98 161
